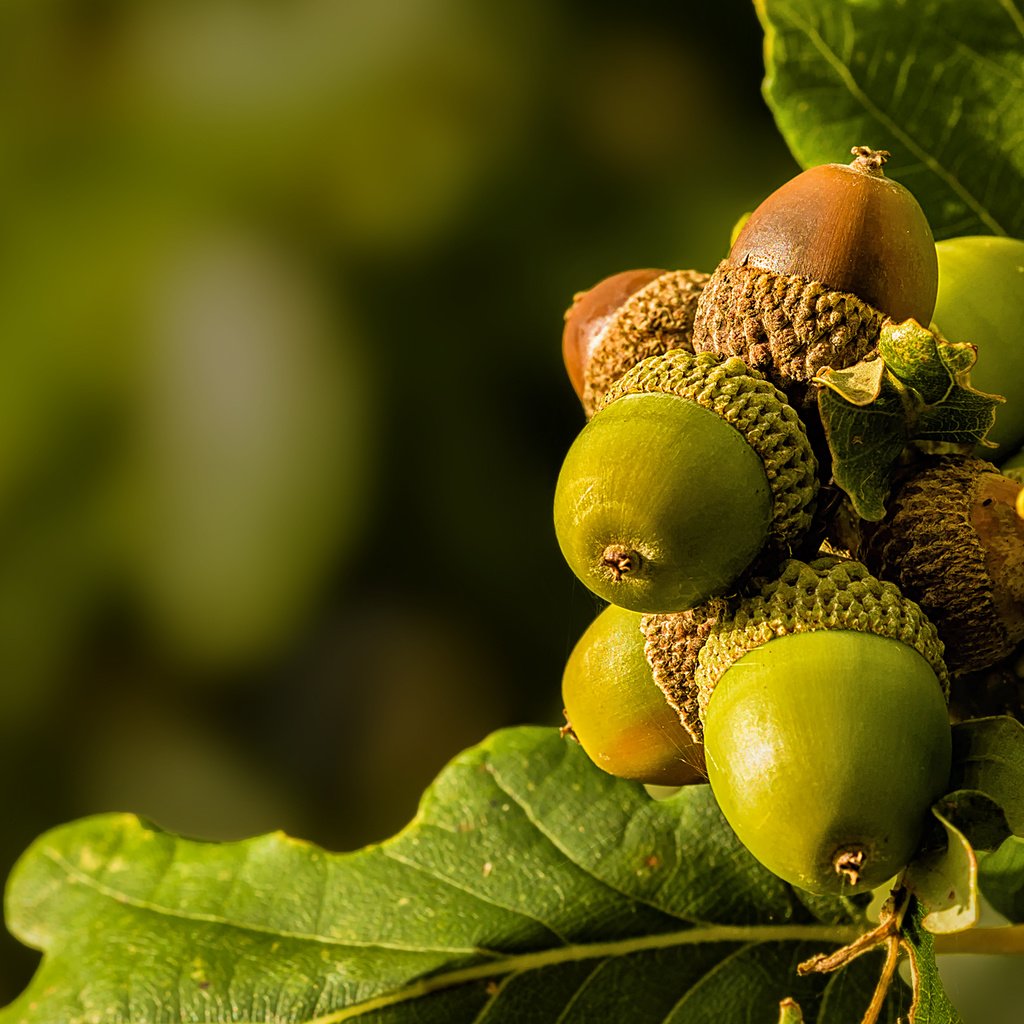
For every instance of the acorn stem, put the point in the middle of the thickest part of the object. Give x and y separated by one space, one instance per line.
869 161
892 956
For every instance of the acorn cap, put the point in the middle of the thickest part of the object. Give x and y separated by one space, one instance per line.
827 593
761 414
672 643
655 319
953 542
787 327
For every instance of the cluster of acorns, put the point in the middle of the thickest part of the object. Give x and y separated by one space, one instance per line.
760 634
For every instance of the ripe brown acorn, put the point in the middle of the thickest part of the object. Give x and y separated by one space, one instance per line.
953 542
625 318
815 272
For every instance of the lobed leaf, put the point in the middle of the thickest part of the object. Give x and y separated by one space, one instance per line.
983 812
988 756
917 389
946 882
531 887
865 440
936 82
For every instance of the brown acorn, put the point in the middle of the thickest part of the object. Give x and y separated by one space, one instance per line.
815 272
625 318
953 542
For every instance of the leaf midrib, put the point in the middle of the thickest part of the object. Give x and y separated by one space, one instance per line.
746 935
845 76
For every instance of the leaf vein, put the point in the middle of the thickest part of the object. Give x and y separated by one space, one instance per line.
123 898
445 880
553 840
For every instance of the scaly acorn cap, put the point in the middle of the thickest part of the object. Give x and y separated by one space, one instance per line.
672 644
761 414
655 319
785 326
953 542
827 593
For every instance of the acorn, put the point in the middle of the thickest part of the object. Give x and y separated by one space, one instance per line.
694 470
625 318
826 733
1013 467
815 272
616 711
953 542
981 300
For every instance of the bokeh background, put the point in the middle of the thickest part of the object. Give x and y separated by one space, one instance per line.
281 395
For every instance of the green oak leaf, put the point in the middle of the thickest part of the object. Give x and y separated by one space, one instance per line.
931 1004
860 384
530 886
911 352
937 82
946 882
980 813
1001 877
988 756
865 441
916 390
946 408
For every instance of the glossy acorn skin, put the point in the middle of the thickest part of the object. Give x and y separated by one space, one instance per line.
828 741
617 712
589 315
674 485
981 300
853 229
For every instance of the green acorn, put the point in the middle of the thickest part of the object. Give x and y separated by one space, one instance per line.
694 470
825 726
617 712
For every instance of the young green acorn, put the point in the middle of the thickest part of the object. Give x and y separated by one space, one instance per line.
826 734
953 542
616 711
981 300
816 270
625 318
692 469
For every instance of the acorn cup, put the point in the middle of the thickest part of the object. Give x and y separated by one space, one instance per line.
615 710
693 471
823 706
952 541
815 272
623 319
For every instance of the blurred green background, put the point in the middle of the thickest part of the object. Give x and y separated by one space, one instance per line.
281 395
